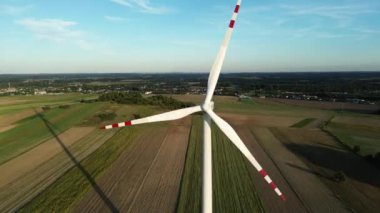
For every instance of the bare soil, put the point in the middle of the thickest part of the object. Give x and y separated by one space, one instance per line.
145 178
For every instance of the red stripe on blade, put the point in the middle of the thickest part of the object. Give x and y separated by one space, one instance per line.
263 173
115 125
237 8
232 23
272 185
128 123
282 197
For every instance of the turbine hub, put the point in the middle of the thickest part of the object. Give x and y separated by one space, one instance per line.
208 106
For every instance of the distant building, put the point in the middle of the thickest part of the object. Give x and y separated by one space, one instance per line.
10 89
148 92
39 92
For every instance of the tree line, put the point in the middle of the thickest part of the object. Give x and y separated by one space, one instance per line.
137 98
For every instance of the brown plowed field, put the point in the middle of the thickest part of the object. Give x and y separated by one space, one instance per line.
19 191
145 178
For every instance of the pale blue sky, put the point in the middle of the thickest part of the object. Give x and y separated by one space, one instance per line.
42 36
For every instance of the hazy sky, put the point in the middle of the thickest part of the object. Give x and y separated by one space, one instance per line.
39 36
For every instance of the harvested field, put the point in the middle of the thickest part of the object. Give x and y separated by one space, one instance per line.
324 157
19 166
23 189
146 177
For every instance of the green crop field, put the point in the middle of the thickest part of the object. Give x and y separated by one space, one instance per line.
15 104
233 185
32 131
73 185
363 136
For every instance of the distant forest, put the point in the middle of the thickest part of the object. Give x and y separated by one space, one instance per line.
327 85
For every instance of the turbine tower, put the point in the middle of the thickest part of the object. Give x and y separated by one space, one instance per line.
208 116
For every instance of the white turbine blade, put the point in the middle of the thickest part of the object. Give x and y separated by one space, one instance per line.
167 116
235 139
218 63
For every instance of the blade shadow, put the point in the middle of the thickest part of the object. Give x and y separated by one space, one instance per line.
85 173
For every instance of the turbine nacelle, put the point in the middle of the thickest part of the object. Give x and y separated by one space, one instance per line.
207 106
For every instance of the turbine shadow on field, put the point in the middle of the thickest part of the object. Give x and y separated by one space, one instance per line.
335 160
85 173
310 171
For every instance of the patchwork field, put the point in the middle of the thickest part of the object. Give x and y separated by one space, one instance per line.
58 160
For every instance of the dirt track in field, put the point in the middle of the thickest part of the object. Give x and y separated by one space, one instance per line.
26 162
7 121
145 178
21 190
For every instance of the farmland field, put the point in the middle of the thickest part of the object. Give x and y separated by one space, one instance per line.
34 131
233 186
363 133
157 167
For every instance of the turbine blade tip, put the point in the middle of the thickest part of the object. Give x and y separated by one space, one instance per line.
282 197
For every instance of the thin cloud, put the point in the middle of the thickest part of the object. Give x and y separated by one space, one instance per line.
334 12
55 30
143 6
14 10
115 19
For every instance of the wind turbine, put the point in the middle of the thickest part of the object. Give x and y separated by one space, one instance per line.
208 116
